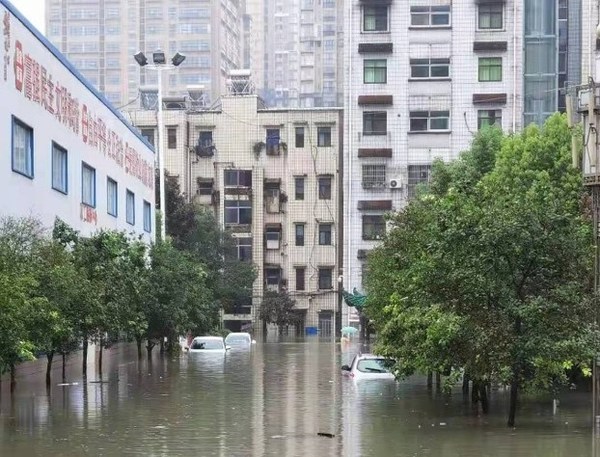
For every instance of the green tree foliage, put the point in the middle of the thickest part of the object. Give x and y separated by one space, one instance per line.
489 269
279 308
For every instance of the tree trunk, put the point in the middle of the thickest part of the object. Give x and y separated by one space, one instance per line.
438 381
483 396
139 347
64 367
429 380
49 356
475 392
162 345
13 377
465 385
149 348
100 356
514 389
84 362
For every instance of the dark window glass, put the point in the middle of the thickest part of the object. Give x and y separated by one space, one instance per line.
325 188
299 234
300 278
375 123
373 227
299 137
172 138
325 234
325 278
323 136
299 187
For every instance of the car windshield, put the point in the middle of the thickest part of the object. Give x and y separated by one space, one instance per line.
374 365
206 344
237 339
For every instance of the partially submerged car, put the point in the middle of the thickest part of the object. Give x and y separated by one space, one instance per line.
208 344
239 340
369 366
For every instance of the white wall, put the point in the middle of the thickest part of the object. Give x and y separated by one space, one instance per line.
122 155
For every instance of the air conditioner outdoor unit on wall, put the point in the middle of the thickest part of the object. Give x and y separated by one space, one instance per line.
395 183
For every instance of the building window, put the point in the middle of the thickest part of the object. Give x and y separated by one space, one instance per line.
375 18
490 69
59 169
147 217
299 234
244 249
88 185
112 197
325 188
238 212
273 237
323 136
375 123
205 139
325 278
487 117
299 137
172 138
148 134
375 71
430 16
300 278
299 187
238 178
490 16
429 121
130 207
373 227
429 68
273 139
373 177
324 234
417 174
22 148
273 277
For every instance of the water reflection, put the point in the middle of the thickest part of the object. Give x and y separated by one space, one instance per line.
271 400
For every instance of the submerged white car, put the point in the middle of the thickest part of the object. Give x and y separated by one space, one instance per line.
208 344
369 366
239 340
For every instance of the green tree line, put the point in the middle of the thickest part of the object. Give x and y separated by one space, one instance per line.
488 272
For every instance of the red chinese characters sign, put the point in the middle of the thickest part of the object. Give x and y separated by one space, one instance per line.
37 85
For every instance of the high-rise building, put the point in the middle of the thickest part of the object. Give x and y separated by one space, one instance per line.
423 76
272 178
101 36
295 51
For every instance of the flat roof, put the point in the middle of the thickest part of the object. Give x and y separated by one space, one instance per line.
69 66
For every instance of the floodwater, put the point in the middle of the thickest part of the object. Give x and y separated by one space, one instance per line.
272 400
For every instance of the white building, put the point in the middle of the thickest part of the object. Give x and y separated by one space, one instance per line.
64 150
273 178
423 76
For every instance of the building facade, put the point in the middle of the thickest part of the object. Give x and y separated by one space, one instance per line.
422 77
272 178
295 51
100 38
66 152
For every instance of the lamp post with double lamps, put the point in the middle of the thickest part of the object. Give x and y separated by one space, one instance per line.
159 63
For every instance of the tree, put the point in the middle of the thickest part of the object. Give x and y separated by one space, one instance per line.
479 272
279 308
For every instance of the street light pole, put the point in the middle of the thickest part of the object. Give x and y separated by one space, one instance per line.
160 64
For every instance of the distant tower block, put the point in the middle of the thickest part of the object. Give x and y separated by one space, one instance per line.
239 82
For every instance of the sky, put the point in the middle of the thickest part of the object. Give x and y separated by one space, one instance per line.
32 10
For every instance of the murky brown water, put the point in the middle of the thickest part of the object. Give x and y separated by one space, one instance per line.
272 400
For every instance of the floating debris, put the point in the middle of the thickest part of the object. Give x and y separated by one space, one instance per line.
326 435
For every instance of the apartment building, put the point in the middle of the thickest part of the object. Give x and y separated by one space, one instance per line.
295 51
100 38
66 152
272 177
422 77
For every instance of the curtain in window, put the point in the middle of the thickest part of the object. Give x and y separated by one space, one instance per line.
130 208
59 172
21 149
87 184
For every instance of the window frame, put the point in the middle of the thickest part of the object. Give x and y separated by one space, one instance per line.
491 15
378 180
64 168
238 208
85 166
325 194
110 181
412 183
481 117
299 137
299 238
373 118
430 64
171 137
29 170
300 196
429 117
430 12
322 278
129 193
245 174
376 70
364 8
377 225
324 136
300 272
147 215
325 236
242 246
489 68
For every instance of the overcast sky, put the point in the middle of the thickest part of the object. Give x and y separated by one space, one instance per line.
33 10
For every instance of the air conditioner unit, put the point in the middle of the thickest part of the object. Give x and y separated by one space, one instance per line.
395 183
